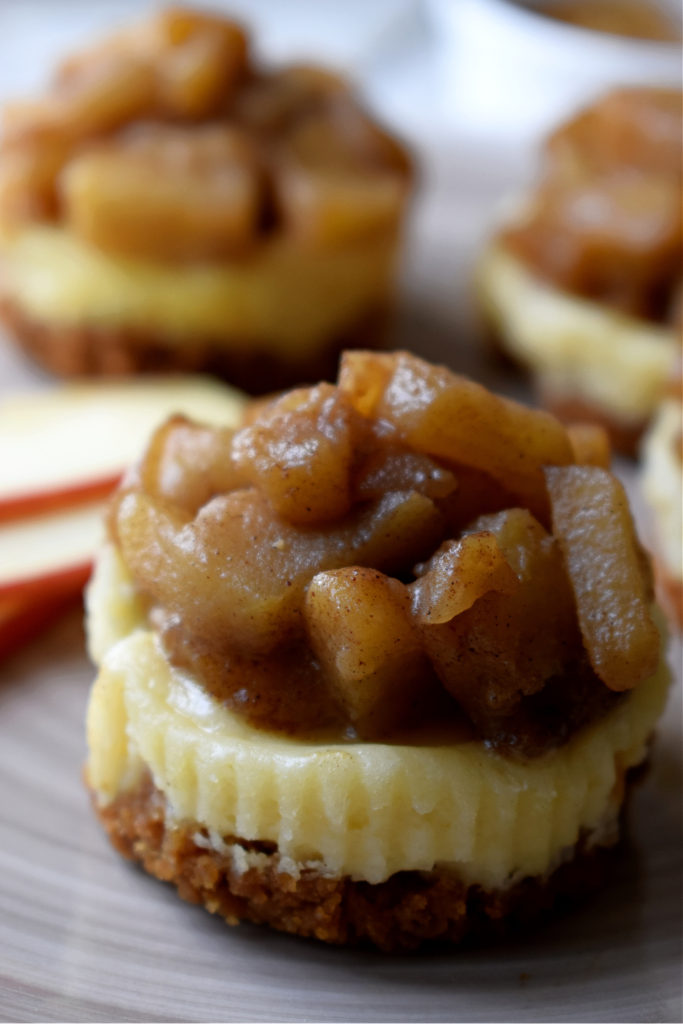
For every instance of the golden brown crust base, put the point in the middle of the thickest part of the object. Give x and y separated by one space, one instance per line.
90 351
410 908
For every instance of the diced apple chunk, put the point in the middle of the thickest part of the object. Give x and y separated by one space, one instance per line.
237 573
458 574
168 192
593 525
329 193
590 444
187 464
456 420
300 455
509 642
360 629
98 98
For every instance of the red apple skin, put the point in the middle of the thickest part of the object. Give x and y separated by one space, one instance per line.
35 589
24 618
36 502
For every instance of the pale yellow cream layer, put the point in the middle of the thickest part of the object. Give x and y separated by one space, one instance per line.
360 809
663 483
577 348
287 296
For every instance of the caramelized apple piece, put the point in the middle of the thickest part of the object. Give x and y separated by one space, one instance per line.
510 641
103 96
458 574
176 25
590 444
456 420
632 127
167 192
27 180
197 60
477 493
197 79
621 236
327 192
270 103
236 574
593 525
394 468
359 627
300 457
202 61
188 464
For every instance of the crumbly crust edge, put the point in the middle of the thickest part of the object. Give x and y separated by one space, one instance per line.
242 880
83 350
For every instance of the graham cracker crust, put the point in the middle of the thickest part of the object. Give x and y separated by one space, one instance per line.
93 351
409 909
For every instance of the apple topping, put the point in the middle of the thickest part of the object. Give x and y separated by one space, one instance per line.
360 629
270 104
518 633
592 523
196 188
590 444
605 219
164 142
329 189
454 419
237 569
186 464
301 457
359 555
458 574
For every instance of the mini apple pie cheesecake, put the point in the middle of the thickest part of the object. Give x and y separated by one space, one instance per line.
582 285
171 205
662 481
376 666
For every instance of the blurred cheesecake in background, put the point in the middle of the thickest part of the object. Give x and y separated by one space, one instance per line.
662 481
169 205
582 283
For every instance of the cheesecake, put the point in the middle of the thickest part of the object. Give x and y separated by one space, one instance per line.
378 666
581 283
171 204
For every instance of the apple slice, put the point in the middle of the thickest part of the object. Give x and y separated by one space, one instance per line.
71 444
23 617
48 555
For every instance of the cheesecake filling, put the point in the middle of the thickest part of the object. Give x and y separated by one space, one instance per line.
577 347
663 484
357 809
286 296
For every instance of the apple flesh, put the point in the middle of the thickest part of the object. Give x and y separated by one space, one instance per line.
71 445
52 553
62 453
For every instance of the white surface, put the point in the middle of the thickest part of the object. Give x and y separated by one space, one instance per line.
507 70
85 937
